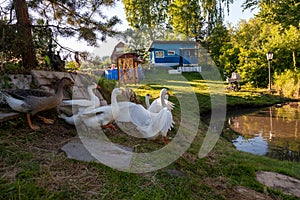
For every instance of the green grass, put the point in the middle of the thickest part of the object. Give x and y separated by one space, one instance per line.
32 167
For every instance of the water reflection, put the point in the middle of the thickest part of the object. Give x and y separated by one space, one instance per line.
273 132
256 145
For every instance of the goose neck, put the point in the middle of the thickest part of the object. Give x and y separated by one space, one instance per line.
162 99
147 101
114 103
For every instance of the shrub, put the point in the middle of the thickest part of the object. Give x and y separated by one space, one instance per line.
288 83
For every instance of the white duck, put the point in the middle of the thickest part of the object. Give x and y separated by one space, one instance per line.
68 119
149 124
85 104
156 105
103 115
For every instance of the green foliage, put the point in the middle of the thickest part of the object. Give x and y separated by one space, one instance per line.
106 87
78 17
183 11
143 12
288 83
216 43
285 12
25 38
72 65
250 41
180 16
14 68
5 83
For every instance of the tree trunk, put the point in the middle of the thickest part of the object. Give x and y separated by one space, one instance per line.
294 61
24 28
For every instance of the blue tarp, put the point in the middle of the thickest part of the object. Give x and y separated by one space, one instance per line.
112 74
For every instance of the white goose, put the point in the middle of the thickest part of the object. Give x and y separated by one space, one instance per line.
68 119
149 124
103 115
156 105
85 104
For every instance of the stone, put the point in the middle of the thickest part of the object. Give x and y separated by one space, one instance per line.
286 184
175 172
14 81
46 80
76 150
117 155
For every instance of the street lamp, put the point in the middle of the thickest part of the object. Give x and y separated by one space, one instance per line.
269 58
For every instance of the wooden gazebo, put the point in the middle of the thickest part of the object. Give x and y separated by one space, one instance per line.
128 68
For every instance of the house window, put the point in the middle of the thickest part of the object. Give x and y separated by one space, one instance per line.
159 54
192 53
171 53
120 49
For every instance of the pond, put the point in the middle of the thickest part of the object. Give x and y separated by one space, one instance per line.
272 132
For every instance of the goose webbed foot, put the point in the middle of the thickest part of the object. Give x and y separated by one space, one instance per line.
110 126
46 120
32 126
166 141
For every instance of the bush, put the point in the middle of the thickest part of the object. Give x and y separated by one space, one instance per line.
288 83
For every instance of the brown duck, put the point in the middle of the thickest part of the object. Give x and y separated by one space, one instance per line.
32 101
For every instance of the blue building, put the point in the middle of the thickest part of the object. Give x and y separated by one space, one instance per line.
173 53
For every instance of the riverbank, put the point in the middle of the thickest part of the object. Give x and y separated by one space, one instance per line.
33 167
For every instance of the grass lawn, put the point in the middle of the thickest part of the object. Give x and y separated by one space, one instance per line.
33 167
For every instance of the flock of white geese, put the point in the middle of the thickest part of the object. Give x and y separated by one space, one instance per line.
151 122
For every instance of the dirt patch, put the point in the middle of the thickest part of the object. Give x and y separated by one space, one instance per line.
286 184
240 192
221 186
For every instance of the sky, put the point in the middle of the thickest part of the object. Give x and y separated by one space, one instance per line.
106 48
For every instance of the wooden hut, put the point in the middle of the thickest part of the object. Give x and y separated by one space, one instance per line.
128 68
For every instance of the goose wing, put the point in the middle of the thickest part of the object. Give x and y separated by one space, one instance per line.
22 94
170 105
159 123
168 123
80 102
140 116
98 110
156 105
29 100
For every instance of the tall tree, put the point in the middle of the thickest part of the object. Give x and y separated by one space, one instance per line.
213 11
181 15
147 14
274 11
24 29
185 18
82 19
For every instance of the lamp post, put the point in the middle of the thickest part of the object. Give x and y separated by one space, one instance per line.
269 58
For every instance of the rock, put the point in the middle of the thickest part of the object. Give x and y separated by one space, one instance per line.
15 81
76 150
101 150
175 172
286 184
47 79
11 81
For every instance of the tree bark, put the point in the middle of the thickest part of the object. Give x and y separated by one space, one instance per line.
24 28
